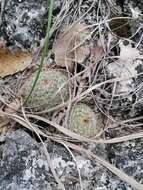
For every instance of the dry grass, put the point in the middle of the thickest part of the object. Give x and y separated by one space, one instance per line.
25 122
86 83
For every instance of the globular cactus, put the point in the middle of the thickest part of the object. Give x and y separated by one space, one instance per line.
52 89
82 120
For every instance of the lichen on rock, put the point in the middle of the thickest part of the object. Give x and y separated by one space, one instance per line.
24 22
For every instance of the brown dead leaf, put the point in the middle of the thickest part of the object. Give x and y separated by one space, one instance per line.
97 52
13 62
70 47
80 51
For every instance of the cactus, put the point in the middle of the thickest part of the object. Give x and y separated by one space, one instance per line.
82 120
49 91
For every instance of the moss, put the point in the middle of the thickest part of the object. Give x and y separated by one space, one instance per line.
49 91
82 120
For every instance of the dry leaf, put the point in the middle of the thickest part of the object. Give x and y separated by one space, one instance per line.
69 47
81 52
13 62
97 52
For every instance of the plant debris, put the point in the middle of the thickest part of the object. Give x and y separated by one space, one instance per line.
13 62
70 46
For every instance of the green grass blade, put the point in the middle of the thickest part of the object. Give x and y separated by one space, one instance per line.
45 50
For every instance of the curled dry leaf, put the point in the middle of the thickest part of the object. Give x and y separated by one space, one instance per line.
70 46
13 62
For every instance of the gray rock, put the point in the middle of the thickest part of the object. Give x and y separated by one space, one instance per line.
23 165
128 4
128 156
93 176
24 22
127 100
133 8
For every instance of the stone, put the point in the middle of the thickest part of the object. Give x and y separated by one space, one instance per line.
93 175
128 100
134 9
23 165
24 23
128 157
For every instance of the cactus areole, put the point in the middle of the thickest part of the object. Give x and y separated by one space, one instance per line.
82 120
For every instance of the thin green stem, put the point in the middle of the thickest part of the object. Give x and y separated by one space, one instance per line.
45 50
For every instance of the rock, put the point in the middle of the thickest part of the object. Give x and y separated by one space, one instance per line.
92 174
128 5
125 156
127 101
91 7
23 165
24 22
128 157
133 9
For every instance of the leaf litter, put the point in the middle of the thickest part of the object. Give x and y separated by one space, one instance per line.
13 62
70 46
